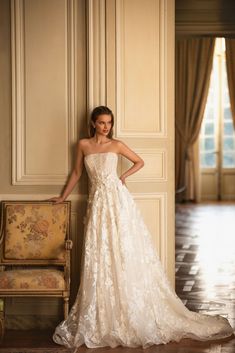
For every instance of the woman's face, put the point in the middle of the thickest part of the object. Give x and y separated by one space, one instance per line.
103 124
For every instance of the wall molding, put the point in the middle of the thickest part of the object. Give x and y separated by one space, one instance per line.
205 18
204 29
154 154
19 162
96 53
162 241
75 199
120 72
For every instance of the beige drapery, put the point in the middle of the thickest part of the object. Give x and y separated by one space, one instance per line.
230 64
194 58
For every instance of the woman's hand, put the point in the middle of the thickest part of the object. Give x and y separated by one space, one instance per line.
57 199
123 180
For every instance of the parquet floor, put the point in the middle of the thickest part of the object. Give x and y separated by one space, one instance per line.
205 281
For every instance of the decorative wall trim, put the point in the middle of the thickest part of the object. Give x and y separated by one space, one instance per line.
205 18
72 69
204 29
209 184
74 198
120 73
19 174
153 176
160 197
228 197
96 53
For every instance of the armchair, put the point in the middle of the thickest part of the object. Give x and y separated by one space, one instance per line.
35 250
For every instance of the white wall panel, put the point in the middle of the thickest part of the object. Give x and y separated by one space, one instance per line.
140 70
153 209
155 168
140 81
43 90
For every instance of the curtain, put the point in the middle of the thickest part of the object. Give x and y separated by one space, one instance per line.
230 63
193 175
194 58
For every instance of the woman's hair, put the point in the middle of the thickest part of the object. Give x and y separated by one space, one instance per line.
96 112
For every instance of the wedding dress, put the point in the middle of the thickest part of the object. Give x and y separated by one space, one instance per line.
124 296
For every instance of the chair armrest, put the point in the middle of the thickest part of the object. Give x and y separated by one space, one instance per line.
68 244
68 247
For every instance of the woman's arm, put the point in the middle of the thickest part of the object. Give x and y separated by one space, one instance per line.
132 156
74 177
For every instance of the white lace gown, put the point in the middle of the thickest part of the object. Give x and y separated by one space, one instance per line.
124 296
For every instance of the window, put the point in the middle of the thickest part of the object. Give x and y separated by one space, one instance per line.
217 136
228 129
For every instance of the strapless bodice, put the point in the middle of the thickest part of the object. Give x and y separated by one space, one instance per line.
102 169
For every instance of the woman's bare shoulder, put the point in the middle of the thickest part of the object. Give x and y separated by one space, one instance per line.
119 145
117 142
115 145
84 142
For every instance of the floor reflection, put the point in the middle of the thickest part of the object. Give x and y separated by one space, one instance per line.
205 257
216 251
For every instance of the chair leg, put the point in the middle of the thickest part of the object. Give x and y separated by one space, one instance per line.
2 319
66 307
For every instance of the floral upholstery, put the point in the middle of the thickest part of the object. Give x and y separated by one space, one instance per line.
35 231
33 279
34 251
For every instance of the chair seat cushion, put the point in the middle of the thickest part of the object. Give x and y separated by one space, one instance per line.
32 279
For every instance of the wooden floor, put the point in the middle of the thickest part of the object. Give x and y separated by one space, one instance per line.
205 281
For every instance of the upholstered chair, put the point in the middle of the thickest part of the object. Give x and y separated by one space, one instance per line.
35 251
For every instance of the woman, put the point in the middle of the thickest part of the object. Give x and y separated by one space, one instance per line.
124 296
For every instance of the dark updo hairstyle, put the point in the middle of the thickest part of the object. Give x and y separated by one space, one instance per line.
96 112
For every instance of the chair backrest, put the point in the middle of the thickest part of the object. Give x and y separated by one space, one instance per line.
34 231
